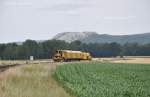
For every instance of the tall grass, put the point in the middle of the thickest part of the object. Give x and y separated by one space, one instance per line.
31 81
105 79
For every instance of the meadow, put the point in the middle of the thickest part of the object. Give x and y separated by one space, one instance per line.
105 79
31 80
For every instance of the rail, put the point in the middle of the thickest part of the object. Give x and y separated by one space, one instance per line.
5 67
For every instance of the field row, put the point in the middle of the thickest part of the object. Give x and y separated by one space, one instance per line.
105 79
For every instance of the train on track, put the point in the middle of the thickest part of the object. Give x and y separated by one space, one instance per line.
68 55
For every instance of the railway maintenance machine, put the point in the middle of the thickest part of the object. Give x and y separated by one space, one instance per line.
69 55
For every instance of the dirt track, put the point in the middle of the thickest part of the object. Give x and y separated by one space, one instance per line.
137 60
134 60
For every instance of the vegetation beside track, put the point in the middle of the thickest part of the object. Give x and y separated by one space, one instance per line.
32 80
105 79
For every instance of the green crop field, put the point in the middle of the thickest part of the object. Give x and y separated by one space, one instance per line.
105 79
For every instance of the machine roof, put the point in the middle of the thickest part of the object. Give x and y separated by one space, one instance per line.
70 51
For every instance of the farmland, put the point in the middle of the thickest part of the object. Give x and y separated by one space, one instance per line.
98 78
105 79
126 59
134 60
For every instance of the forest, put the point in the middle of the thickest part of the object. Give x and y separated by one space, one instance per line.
46 49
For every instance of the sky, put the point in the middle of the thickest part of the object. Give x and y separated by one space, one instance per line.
42 19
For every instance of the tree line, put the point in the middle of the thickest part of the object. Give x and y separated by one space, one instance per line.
46 49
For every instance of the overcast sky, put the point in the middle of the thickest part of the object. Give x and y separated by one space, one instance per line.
42 19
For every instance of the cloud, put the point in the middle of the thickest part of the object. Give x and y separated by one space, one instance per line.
17 4
119 18
71 8
67 6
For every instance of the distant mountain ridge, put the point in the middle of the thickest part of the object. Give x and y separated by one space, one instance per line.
93 37
72 36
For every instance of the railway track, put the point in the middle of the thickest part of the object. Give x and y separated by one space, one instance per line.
5 67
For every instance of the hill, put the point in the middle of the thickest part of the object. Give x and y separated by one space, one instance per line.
72 36
92 37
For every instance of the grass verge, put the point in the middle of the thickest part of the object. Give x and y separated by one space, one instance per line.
31 81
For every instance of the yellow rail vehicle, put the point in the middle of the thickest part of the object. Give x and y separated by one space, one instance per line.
68 55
